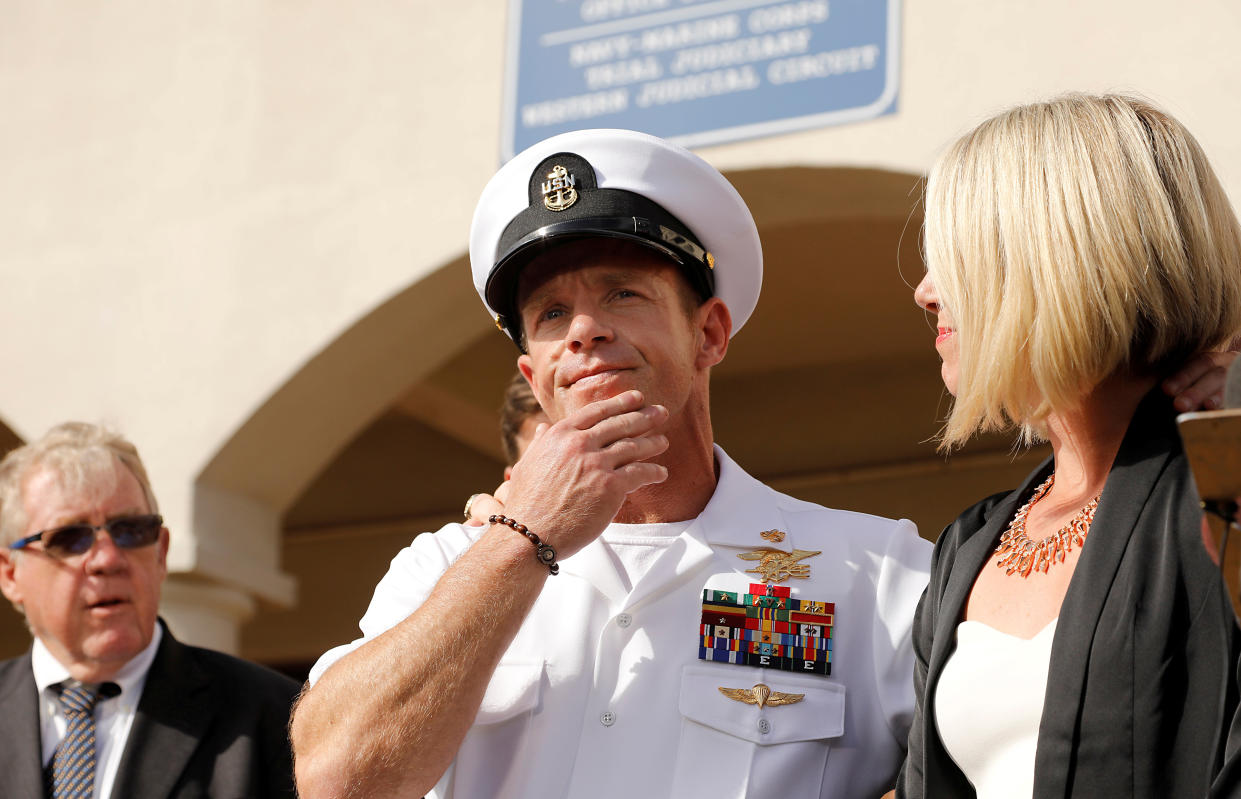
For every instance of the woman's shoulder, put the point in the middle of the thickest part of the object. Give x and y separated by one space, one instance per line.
970 523
971 520
1172 521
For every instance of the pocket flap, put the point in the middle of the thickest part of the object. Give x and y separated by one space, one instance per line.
820 714
514 689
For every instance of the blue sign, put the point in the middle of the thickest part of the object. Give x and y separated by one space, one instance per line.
697 71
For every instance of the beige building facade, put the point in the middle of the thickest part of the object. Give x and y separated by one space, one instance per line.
237 232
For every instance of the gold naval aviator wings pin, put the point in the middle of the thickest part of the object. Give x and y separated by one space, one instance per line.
558 191
762 696
776 566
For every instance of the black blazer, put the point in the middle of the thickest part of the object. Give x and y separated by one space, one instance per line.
207 724
1141 684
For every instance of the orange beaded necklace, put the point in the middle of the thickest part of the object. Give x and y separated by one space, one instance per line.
1019 555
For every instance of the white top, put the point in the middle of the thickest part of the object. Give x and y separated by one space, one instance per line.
113 716
636 547
989 704
602 693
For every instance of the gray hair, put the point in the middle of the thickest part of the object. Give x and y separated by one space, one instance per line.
82 456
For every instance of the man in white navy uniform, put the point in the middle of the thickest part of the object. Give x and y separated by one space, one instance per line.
621 265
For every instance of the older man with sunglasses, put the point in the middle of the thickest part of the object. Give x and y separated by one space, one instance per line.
107 702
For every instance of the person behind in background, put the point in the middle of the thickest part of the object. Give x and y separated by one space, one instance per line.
592 639
107 702
520 417
1076 638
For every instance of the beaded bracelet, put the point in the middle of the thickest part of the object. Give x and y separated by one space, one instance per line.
544 552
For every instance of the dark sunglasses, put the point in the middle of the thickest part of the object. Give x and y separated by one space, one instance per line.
127 532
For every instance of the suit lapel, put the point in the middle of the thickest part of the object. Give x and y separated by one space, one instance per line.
21 761
967 563
1143 456
176 708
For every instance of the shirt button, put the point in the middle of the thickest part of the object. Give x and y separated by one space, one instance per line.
764 726
624 620
607 718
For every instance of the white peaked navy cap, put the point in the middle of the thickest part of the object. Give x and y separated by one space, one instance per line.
614 184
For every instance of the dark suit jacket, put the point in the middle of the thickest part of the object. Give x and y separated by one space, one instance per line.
207 725
1141 685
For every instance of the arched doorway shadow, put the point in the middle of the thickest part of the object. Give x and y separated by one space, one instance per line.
275 454
14 638
8 439
243 491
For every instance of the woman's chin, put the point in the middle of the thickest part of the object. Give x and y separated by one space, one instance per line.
949 376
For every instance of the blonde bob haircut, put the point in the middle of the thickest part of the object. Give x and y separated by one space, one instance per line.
84 457
1073 240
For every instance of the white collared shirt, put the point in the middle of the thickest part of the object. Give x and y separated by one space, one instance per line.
602 692
113 716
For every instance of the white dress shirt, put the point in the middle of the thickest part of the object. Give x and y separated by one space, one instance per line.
602 693
989 705
113 716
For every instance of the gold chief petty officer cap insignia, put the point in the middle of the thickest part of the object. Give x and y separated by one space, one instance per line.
558 190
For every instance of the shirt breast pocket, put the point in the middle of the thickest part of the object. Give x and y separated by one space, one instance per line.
735 748
496 752
512 691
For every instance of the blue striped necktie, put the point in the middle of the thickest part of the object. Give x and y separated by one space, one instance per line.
73 765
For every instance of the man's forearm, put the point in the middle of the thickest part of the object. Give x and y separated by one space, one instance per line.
389 717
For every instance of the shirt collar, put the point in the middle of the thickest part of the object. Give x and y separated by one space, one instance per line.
735 515
50 672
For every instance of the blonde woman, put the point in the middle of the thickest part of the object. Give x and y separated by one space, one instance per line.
1076 638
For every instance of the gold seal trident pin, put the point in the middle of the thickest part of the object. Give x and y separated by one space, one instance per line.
776 566
762 696
558 191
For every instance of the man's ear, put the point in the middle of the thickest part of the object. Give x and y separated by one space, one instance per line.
715 325
525 365
162 552
8 576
